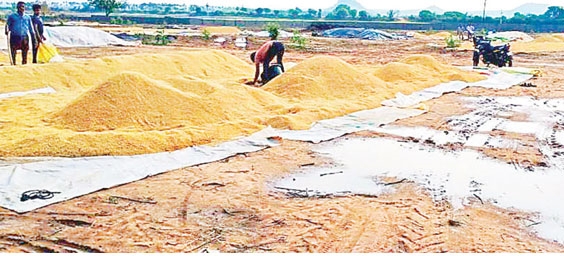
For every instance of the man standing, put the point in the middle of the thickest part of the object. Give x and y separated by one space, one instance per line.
264 55
17 27
38 28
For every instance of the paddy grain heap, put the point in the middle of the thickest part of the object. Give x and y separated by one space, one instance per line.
544 43
327 78
222 30
133 101
420 71
152 103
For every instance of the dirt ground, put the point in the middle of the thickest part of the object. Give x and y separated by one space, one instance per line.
230 206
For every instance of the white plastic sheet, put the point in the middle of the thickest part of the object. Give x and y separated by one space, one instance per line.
73 177
44 90
456 175
76 36
497 80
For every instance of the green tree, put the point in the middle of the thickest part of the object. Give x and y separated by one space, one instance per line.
454 16
554 12
363 15
426 16
294 13
391 15
340 12
108 6
352 13
312 13
518 18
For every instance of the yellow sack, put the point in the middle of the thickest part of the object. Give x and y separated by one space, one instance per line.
46 52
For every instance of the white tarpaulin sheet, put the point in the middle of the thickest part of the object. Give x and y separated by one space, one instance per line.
19 94
456 175
73 177
76 36
498 79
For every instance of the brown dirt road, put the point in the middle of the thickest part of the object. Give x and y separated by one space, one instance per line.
230 206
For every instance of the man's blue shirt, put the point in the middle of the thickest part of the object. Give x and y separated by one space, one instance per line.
20 25
38 23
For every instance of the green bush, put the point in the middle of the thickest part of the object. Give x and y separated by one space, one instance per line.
159 39
298 40
120 21
452 42
206 34
273 30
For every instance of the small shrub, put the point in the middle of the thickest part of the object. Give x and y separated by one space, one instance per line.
273 30
452 42
206 34
159 39
298 40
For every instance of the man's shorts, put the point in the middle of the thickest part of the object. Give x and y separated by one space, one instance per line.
18 42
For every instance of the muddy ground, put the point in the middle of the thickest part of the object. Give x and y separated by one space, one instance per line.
230 206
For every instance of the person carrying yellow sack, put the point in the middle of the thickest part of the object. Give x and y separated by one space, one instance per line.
38 28
47 53
43 52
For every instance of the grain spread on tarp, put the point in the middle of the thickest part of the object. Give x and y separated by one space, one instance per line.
149 103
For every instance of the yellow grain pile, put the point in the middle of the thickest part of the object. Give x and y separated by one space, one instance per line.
133 101
543 43
550 38
161 102
421 71
441 35
4 58
222 30
328 78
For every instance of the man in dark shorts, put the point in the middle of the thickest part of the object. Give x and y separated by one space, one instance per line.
264 55
18 26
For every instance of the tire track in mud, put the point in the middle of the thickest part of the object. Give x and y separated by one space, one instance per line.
43 245
419 227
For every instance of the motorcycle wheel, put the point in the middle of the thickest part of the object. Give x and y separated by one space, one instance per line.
510 62
475 59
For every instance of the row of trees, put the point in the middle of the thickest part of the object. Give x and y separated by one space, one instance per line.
552 15
344 12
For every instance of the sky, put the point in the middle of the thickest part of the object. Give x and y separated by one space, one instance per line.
449 5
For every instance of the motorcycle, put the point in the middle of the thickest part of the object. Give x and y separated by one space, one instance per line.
500 56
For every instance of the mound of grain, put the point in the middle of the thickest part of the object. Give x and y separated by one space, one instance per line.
548 38
222 30
132 101
441 35
420 71
559 36
163 102
418 35
326 77
202 64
